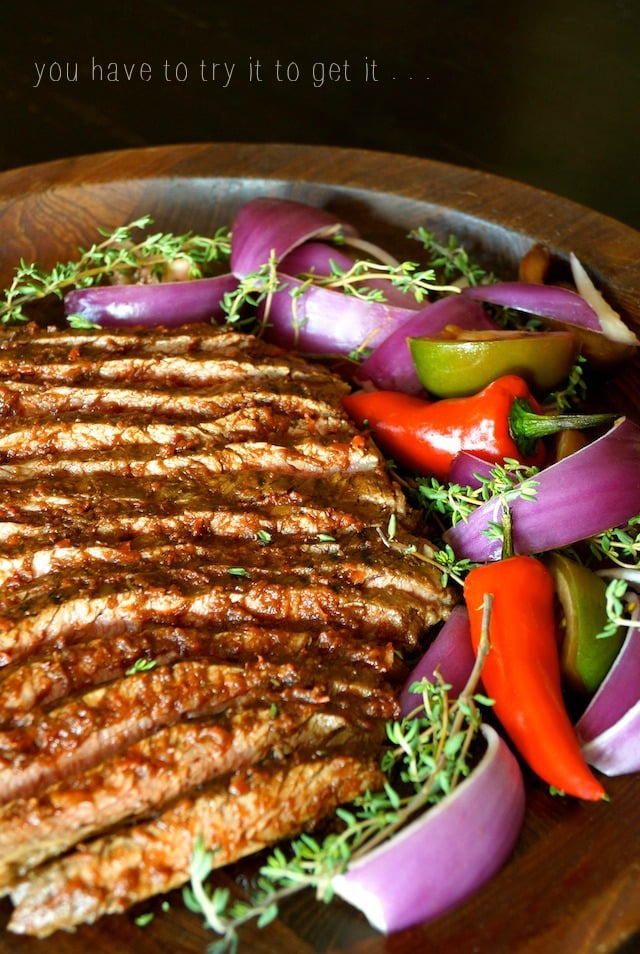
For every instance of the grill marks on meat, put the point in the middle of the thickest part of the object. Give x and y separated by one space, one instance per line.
89 727
196 502
343 559
242 815
307 456
238 505
68 437
227 367
193 597
149 775
51 675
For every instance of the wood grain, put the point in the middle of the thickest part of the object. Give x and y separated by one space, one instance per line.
573 882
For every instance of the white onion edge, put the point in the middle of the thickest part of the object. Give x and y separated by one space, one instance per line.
630 574
348 887
613 327
376 252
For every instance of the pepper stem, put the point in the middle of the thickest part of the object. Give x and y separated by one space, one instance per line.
527 427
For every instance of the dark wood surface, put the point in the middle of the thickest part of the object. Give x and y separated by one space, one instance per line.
546 93
573 883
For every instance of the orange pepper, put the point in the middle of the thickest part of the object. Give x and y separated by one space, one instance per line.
521 672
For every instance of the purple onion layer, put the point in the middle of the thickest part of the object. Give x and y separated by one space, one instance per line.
166 304
447 853
588 492
271 226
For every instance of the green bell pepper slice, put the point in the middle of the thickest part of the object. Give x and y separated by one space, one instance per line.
585 659
459 362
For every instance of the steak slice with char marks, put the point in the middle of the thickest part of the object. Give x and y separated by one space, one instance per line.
261 369
62 617
309 457
349 557
20 399
68 437
148 775
199 501
359 494
46 677
186 340
86 729
252 809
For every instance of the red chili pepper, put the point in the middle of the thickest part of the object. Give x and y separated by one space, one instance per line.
521 672
503 420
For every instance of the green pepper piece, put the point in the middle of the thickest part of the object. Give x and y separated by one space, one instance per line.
584 659
458 362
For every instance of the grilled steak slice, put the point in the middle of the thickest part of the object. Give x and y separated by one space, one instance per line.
357 494
44 511
199 501
149 775
86 729
263 368
47 677
348 559
68 437
38 401
190 338
76 607
246 524
307 456
32 339
254 808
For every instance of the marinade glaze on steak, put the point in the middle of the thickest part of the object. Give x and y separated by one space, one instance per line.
199 502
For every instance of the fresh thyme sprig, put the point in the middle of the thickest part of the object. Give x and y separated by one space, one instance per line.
408 277
453 502
619 545
120 253
575 389
142 664
257 288
253 289
451 260
429 752
619 609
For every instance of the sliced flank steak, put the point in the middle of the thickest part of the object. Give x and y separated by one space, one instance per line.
202 619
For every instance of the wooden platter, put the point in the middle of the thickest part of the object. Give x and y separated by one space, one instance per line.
573 883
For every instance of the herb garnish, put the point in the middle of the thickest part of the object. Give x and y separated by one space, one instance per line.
141 665
120 253
450 261
428 753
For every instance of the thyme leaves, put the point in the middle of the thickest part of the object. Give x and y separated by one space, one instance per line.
122 254
427 754
450 260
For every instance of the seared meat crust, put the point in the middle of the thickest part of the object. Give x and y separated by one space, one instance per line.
200 616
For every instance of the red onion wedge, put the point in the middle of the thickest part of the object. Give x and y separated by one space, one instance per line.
591 490
447 853
314 257
269 226
467 469
451 654
609 728
166 304
390 367
547 301
323 321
